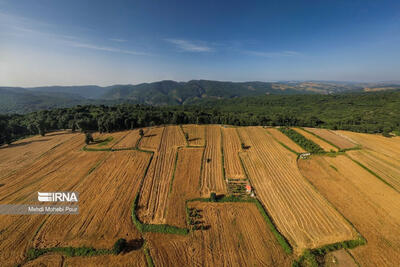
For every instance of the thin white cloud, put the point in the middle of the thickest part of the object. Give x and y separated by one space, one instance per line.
190 46
106 48
273 54
117 40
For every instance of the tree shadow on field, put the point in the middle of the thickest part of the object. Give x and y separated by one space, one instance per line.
193 139
133 244
150 135
24 143
2 185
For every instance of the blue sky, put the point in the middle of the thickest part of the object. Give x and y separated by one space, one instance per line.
46 42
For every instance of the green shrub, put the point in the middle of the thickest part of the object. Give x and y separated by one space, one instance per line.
119 246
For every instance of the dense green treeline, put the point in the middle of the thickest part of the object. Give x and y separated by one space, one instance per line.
366 112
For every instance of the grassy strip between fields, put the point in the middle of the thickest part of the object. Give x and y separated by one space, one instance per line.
315 257
299 139
149 259
372 172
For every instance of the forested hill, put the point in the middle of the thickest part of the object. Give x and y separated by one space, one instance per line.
25 100
377 112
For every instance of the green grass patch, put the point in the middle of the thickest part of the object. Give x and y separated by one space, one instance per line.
333 167
149 259
303 142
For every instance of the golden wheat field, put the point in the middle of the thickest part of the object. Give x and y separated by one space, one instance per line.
156 192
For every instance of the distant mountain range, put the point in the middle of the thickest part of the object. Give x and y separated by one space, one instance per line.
23 100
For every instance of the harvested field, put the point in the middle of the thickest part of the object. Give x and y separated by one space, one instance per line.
228 242
302 215
185 185
129 141
386 167
330 136
26 151
154 194
55 260
132 258
371 206
231 147
280 137
339 258
106 140
196 134
389 147
152 139
212 179
324 145
57 171
105 205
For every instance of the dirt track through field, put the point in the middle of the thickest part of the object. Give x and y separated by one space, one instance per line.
303 216
371 206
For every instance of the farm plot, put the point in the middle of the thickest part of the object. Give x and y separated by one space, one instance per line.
332 137
370 205
185 185
302 215
196 134
212 179
324 145
105 205
154 194
63 168
129 141
26 151
385 167
132 258
229 241
389 147
231 147
106 140
280 137
152 139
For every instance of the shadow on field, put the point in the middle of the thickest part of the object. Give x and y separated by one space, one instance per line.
193 139
24 143
2 185
150 135
133 244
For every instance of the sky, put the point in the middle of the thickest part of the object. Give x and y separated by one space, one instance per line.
47 42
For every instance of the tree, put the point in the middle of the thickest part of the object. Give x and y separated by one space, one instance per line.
213 197
141 132
88 138
119 246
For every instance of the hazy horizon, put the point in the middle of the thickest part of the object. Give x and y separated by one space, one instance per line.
46 43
